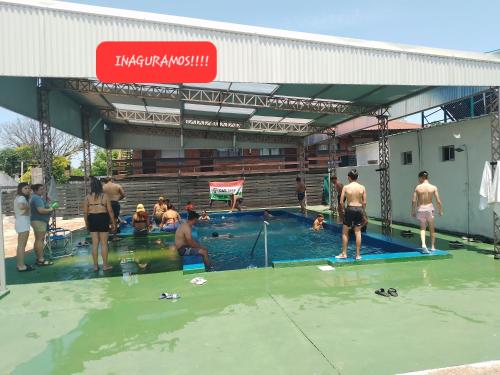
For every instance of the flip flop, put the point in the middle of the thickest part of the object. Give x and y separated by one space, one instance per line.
27 269
381 292
455 244
392 292
43 263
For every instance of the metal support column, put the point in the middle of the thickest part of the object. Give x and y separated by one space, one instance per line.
109 162
45 137
494 110
332 169
86 150
301 150
385 186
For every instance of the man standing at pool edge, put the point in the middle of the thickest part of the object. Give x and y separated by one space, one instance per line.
423 209
354 213
184 242
301 194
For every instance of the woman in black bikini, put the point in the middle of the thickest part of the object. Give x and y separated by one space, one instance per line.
98 216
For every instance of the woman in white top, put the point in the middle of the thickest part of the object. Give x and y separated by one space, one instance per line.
22 213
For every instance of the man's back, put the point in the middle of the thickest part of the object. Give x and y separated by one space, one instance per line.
354 194
301 187
425 191
113 191
181 235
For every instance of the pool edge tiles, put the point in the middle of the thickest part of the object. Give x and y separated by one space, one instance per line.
366 259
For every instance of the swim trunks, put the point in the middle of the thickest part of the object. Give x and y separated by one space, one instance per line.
301 196
187 250
354 216
425 213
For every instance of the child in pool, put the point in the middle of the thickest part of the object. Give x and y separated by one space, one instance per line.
318 223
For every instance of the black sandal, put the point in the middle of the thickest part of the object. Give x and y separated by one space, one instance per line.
381 292
392 292
27 269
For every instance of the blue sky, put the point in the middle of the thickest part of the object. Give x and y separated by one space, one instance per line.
451 24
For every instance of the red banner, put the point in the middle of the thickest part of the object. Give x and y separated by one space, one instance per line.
156 62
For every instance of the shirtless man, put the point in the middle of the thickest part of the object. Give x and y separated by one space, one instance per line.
337 185
184 242
354 216
423 209
301 194
115 194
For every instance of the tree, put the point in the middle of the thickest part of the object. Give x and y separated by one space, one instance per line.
59 167
99 165
76 172
10 162
26 132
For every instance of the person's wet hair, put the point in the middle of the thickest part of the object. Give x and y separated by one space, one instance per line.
298 179
95 186
105 180
353 174
193 215
423 175
215 234
36 187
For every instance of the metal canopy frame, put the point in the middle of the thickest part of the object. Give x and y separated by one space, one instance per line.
494 110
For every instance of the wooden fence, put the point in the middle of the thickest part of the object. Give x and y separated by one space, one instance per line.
264 190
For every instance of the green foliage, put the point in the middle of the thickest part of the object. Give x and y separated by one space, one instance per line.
59 165
10 162
99 166
76 172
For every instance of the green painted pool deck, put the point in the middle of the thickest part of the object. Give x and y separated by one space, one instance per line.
258 321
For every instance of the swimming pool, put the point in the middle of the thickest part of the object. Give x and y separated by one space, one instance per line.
289 238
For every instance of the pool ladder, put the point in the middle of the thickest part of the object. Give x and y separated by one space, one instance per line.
266 223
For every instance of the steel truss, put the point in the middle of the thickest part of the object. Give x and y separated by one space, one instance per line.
385 182
175 120
86 150
46 139
198 133
216 97
494 110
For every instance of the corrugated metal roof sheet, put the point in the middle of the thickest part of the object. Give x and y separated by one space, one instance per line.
58 39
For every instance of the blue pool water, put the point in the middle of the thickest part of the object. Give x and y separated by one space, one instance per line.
289 238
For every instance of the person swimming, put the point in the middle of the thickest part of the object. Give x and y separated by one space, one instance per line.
318 223
204 216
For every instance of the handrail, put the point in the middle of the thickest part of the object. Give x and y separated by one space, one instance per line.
265 243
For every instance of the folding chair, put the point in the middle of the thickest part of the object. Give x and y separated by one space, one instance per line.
57 241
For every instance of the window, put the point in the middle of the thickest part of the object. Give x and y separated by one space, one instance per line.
270 151
228 152
448 153
323 147
406 158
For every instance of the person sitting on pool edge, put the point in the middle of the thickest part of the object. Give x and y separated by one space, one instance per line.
189 206
318 223
184 242
204 216
159 210
140 221
171 219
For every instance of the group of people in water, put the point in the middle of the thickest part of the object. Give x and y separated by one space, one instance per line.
101 208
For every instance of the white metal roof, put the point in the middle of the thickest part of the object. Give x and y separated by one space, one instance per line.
58 39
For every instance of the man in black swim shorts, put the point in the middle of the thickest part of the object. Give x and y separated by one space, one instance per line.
354 213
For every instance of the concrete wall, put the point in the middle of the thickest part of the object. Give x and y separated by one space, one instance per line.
366 152
371 180
449 176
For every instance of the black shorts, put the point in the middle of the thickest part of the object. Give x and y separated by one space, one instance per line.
115 206
301 196
98 222
354 216
157 220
